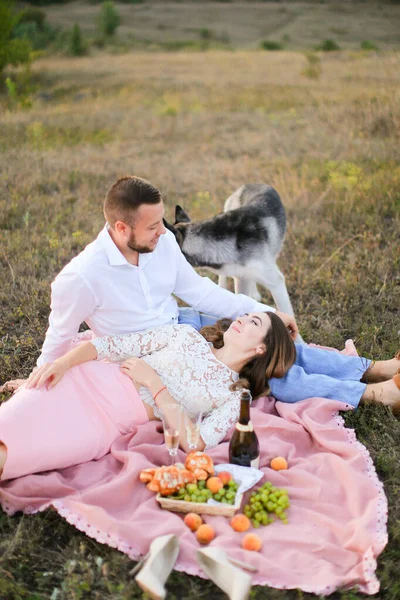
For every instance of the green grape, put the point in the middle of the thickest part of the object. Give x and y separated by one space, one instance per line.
252 500
264 498
193 497
232 483
191 488
270 506
279 510
256 524
230 495
265 520
187 498
201 484
209 493
282 501
217 497
222 492
181 491
225 501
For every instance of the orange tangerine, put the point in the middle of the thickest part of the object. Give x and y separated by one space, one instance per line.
214 484
251 541
240 523
205 534
278 463
193 521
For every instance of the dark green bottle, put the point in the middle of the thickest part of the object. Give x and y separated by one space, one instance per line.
244 449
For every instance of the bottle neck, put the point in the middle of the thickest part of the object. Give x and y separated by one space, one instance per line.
244 417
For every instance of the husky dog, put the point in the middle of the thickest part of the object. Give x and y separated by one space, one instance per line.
243 242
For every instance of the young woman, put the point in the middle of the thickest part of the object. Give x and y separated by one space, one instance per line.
87 404
72 410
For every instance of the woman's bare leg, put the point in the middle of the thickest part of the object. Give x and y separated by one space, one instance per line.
381 370
3 456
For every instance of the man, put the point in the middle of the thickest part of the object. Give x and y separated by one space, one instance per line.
124 280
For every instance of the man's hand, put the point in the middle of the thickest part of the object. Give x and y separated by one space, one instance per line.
12 385
290 323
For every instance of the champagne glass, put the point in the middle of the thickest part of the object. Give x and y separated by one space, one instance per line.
192 426
172 419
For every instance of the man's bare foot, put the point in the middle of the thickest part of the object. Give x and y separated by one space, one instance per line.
382 370
12 385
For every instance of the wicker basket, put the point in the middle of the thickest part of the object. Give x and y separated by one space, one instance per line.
201 508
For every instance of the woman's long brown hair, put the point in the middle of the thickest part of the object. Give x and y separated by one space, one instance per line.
279 356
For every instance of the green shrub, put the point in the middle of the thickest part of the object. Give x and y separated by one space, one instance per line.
33 15
12 51
39 38
271 45
205 34
109 18
77 46
367 45
328 46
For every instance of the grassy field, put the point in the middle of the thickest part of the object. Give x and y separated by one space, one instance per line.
198 125
243 24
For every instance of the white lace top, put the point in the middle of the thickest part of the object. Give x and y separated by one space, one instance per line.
186 365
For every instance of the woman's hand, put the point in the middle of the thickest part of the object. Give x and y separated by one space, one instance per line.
48 374
142 373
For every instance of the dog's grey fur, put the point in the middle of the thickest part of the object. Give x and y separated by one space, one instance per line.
243 242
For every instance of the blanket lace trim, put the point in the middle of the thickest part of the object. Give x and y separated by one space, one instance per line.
369 586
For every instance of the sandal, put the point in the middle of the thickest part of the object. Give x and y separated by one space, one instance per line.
229 578
158 565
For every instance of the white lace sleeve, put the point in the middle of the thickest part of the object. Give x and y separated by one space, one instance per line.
217 422
120 347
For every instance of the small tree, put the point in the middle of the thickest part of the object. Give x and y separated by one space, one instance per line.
12 51
109 18
78 46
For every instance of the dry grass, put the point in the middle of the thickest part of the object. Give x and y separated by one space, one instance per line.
199 126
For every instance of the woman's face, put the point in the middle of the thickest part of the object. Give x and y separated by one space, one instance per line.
248 332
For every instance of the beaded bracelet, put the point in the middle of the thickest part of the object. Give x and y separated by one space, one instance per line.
164 387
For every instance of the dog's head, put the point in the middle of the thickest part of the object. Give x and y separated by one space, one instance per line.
180 227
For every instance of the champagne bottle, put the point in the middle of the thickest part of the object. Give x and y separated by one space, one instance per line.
244 449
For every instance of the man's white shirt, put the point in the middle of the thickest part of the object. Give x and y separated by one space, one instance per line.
100 287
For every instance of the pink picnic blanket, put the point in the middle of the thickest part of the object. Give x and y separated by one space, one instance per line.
337 518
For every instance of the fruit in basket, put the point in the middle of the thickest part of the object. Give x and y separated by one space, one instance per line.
193 521
240 523
214 484
278 463
200 464
225 477
251 541
166 480
205 534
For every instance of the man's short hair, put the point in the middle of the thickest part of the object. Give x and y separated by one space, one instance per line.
125 196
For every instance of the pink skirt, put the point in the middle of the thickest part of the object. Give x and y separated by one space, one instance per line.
74 422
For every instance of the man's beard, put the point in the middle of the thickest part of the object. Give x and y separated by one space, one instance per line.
132 245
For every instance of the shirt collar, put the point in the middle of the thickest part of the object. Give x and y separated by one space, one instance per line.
114 255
